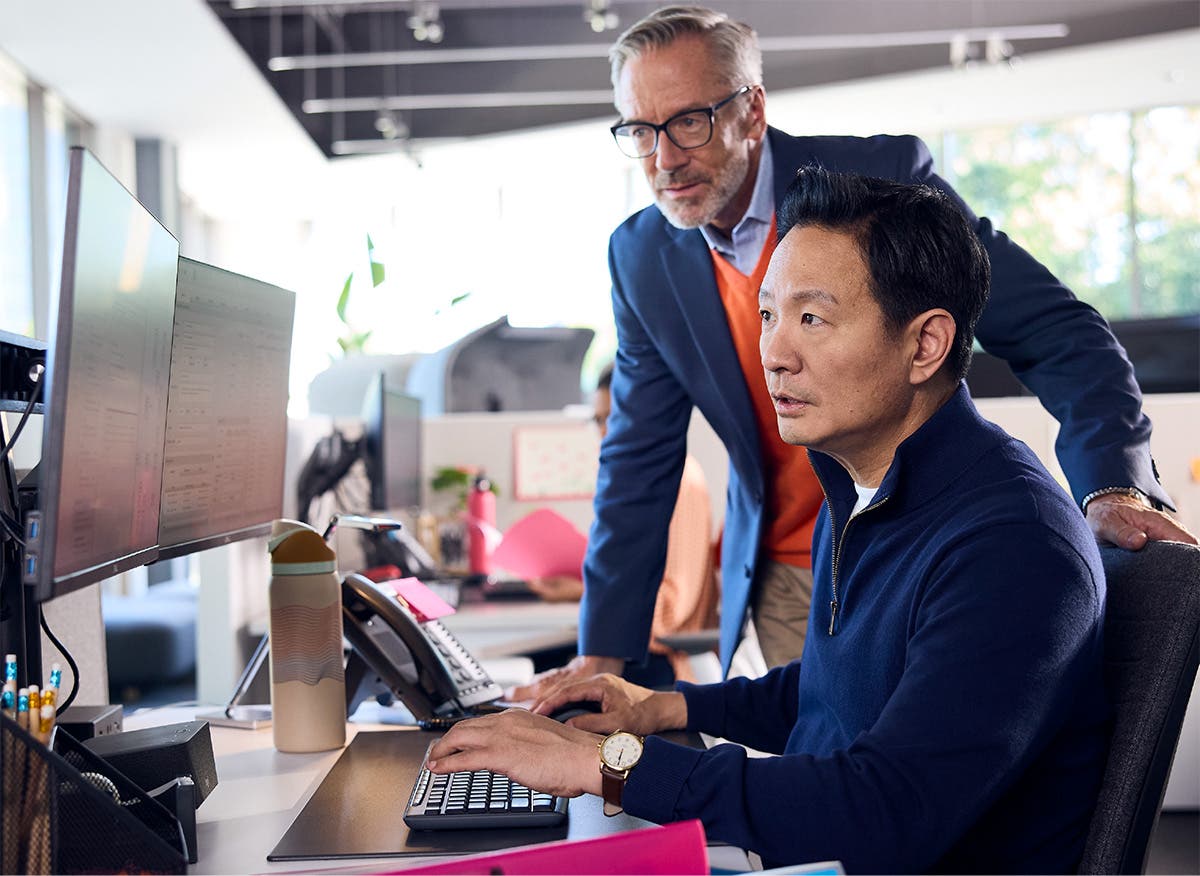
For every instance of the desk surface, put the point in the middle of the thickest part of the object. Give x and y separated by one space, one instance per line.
260 792
512 628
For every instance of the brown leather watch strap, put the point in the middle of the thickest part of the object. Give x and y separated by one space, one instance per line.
611 785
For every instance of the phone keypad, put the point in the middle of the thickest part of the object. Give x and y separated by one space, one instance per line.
474 685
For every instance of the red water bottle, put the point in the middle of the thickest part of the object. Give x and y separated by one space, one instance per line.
481 525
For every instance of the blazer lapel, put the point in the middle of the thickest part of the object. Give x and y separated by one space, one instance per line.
688 270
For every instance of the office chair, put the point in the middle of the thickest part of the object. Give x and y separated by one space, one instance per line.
1151 652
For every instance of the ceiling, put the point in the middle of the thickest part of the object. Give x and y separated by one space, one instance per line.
365 76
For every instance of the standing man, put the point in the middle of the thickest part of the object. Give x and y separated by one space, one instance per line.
686 274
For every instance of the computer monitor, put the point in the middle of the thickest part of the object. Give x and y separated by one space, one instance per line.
226 431
1164 351
106 393
391 446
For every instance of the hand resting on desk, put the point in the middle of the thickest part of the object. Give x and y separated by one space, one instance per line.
557 588
545 755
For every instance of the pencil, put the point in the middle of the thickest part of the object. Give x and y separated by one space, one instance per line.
46 722
9 697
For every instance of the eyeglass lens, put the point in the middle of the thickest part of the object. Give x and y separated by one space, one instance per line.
687 131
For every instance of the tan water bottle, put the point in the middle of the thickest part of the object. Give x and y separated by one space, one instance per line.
308 687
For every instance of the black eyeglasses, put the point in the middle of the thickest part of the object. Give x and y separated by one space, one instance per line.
689 129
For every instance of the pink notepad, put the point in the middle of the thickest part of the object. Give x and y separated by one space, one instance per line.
673 848
542 545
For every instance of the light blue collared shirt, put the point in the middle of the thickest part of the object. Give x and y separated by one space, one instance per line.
750 234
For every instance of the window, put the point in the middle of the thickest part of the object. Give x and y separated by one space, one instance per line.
1109 202
16 281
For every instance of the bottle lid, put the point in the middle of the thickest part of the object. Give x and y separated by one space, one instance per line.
298 549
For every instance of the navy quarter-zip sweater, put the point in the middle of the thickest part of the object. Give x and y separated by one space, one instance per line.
949 715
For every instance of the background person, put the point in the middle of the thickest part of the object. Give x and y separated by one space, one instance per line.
687 596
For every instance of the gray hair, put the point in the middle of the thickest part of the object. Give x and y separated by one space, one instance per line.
734 45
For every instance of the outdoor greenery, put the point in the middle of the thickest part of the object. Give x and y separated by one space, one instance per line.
1109 202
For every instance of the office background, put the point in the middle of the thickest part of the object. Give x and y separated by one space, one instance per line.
1088 154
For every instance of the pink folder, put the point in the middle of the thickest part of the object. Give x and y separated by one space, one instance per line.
541 545
677 848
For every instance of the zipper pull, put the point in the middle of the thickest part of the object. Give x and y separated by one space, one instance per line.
833 606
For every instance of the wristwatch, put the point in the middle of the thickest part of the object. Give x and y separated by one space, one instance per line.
1133 492
619 753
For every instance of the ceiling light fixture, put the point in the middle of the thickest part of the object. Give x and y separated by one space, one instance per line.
569 51
996 48
425 21
599 16
390 126
409 102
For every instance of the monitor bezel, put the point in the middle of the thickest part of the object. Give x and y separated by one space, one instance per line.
183 548
375 441
55 398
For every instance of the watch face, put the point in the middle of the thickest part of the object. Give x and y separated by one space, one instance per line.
621 750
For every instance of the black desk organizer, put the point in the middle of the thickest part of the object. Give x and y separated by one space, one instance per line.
60 814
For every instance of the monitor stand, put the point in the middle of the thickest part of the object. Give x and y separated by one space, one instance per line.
244 717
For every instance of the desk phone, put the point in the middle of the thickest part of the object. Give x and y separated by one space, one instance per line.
419 661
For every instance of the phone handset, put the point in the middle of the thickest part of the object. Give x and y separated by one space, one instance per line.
421 662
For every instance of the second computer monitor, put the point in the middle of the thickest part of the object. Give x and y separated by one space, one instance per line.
227 412
392 447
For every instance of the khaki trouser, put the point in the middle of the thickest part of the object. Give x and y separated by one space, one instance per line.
783 595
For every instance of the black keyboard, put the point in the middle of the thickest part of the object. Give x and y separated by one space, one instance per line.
479 799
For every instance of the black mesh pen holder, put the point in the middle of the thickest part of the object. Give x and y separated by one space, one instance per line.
68 811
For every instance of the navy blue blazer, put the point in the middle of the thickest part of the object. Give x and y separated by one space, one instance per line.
674 351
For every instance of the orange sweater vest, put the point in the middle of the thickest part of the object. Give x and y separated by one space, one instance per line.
793 494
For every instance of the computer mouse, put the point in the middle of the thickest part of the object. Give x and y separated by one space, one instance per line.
570 710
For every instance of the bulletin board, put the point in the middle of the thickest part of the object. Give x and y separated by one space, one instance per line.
555 461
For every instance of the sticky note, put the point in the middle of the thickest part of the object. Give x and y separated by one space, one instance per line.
425 604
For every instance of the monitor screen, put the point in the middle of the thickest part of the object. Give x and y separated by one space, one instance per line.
108 366
1164 351
392 447
227 414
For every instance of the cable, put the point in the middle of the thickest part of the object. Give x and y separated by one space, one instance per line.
66 656
37 391
13 528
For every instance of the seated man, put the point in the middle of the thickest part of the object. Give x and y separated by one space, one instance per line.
948 710
687 597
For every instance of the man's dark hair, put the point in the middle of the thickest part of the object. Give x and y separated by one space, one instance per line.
604 381
918 246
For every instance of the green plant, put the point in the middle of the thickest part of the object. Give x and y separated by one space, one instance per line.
353 341
458 479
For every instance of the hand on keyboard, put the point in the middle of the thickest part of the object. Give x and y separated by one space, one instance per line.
532 749
478 799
